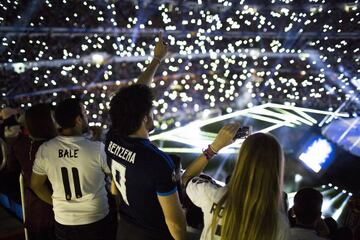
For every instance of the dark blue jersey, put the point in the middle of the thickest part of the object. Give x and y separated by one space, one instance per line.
141 172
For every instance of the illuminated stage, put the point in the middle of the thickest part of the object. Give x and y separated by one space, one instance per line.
275 115
295 127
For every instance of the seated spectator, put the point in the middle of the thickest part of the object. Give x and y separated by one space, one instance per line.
307 211
249 207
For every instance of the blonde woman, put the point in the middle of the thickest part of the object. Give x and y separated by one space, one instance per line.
249 207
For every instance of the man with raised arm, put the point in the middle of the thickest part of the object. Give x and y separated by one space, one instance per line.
143 175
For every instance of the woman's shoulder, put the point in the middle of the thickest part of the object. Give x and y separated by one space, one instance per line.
206 187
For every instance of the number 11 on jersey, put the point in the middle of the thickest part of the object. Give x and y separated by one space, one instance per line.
118 173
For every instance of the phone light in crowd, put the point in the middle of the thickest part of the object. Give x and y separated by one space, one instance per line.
98 58
19 67
318 154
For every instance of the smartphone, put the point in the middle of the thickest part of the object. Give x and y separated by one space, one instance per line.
243 132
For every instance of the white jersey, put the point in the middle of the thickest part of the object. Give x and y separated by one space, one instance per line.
206 194
75 167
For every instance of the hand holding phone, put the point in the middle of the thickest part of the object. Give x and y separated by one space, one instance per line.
242 132
225 136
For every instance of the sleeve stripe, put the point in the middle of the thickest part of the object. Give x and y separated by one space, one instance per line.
167 193
39 173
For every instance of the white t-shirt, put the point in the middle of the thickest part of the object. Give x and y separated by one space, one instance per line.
206 194
75 167
297 233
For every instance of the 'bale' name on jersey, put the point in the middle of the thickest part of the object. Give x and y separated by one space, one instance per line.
68 153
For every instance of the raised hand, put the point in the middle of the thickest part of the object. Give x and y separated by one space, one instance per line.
225 136
160 51
161 48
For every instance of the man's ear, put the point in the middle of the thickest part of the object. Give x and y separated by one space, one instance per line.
78 120
145 119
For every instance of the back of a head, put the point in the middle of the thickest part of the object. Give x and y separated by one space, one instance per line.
254 198
307 206
129 107
67 111
39 122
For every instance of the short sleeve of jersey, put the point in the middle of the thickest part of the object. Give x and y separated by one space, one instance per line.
40 162
103 160
198 190
164 178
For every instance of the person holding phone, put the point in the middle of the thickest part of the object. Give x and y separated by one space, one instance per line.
249 206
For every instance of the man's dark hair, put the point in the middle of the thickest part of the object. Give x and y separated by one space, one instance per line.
129 107
307 205
67 111
39 122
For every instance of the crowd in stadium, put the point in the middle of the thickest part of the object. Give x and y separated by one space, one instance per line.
285 53
155 198
96 64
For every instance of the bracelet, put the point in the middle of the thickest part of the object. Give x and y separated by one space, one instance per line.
157 59
212 149
209 152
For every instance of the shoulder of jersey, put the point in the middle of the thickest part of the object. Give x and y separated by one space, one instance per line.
94 144
157 153
210 184
55 140
49 142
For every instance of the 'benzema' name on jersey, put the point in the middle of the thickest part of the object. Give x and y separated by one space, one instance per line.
121 152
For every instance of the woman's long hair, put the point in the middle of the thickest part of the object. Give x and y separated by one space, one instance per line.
39 122
253 198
